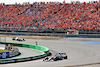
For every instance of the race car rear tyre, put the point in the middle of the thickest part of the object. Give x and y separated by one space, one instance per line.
65 57
55 59
13 39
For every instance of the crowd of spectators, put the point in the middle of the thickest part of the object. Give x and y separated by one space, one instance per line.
50 15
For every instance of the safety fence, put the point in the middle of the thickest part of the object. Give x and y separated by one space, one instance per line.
52 34
41 48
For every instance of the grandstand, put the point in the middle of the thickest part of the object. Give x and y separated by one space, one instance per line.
51 17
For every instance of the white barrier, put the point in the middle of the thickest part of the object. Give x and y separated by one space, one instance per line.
2 47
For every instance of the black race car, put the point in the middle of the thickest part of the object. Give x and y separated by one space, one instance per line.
18 39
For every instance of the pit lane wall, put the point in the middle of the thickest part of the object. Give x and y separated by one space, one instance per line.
41 48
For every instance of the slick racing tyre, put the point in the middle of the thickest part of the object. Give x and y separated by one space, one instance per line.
13 39
65 57
55 59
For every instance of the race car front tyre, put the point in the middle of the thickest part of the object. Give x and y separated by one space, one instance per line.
23 39
65 57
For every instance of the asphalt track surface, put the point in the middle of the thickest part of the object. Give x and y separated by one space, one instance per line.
79 53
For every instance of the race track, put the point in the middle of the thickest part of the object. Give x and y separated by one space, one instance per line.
79 53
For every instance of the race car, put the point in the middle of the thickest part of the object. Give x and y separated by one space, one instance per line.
18 39
58 56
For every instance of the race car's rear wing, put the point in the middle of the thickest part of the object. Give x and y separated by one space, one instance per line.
62 53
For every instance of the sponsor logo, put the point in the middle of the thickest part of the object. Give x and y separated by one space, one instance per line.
4 55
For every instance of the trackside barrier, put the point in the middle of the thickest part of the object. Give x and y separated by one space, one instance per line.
53 34
41 48
4 55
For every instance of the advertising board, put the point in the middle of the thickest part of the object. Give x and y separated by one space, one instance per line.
4 55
